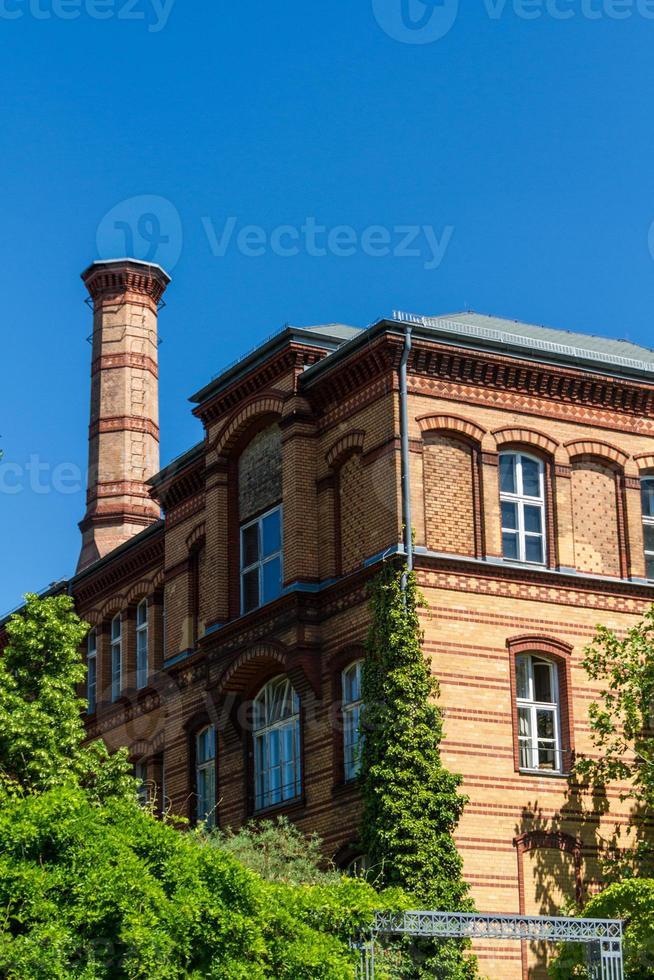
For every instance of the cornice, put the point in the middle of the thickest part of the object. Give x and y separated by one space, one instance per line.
113 575
107 281
294 357
483 370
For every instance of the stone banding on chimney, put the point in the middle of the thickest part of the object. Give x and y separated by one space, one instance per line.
124 416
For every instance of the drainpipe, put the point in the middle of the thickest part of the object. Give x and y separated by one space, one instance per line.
406 475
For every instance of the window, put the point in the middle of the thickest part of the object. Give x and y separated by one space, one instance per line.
357 867
92 671
142 644
261 560
205 775
647 495
116 658
538 714
352 738
276 725
522 499
141 775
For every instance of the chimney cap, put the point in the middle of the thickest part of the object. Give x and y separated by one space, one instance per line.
121 263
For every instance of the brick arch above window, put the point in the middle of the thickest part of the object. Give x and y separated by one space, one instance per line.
344 657
261 409
536 643
351 442
601 450
196 538
112 607
534 840
141 590
452 424
645 463
524 437
259 663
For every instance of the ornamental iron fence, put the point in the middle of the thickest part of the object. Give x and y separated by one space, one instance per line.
602 937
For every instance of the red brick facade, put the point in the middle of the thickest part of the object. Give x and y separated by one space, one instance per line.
526 839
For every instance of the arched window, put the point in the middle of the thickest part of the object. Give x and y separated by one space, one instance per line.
116 657
351 709
539 727
92 671
142 643
647 495
522 498
276 721
205 775
356 867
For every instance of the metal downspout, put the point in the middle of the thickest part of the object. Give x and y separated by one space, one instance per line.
406 475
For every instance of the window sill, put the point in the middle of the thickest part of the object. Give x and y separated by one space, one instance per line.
288 806
545 773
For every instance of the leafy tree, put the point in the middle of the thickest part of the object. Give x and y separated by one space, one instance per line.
93 887
633 901
41 726
621 728
412 803
107 891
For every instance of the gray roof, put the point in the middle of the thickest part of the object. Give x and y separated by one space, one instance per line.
610 346
327 336
334 331
538 343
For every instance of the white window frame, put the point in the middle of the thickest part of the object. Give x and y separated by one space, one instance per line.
648 521
92 671
261 562
522 500
116 657
142 630
530 742
351 711
205 778
277 771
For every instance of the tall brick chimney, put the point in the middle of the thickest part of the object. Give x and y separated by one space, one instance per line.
124 427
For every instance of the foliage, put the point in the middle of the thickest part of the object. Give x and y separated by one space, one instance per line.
621 725
633 901
92 886
412 803
278 852
41 726
95 891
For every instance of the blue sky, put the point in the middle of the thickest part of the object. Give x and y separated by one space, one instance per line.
514 137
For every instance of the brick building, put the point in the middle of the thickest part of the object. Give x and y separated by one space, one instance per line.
227 633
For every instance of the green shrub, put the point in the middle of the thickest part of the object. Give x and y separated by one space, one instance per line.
97 891
633 901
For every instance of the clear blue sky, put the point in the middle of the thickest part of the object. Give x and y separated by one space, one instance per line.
524 146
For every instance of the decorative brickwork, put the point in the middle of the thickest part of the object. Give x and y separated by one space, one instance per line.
449 495
595 518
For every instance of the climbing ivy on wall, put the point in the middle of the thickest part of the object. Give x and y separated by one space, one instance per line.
412 803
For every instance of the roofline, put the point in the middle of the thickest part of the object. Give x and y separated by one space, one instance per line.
487 339
118 552
55 588
107 263
259 354
177 465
